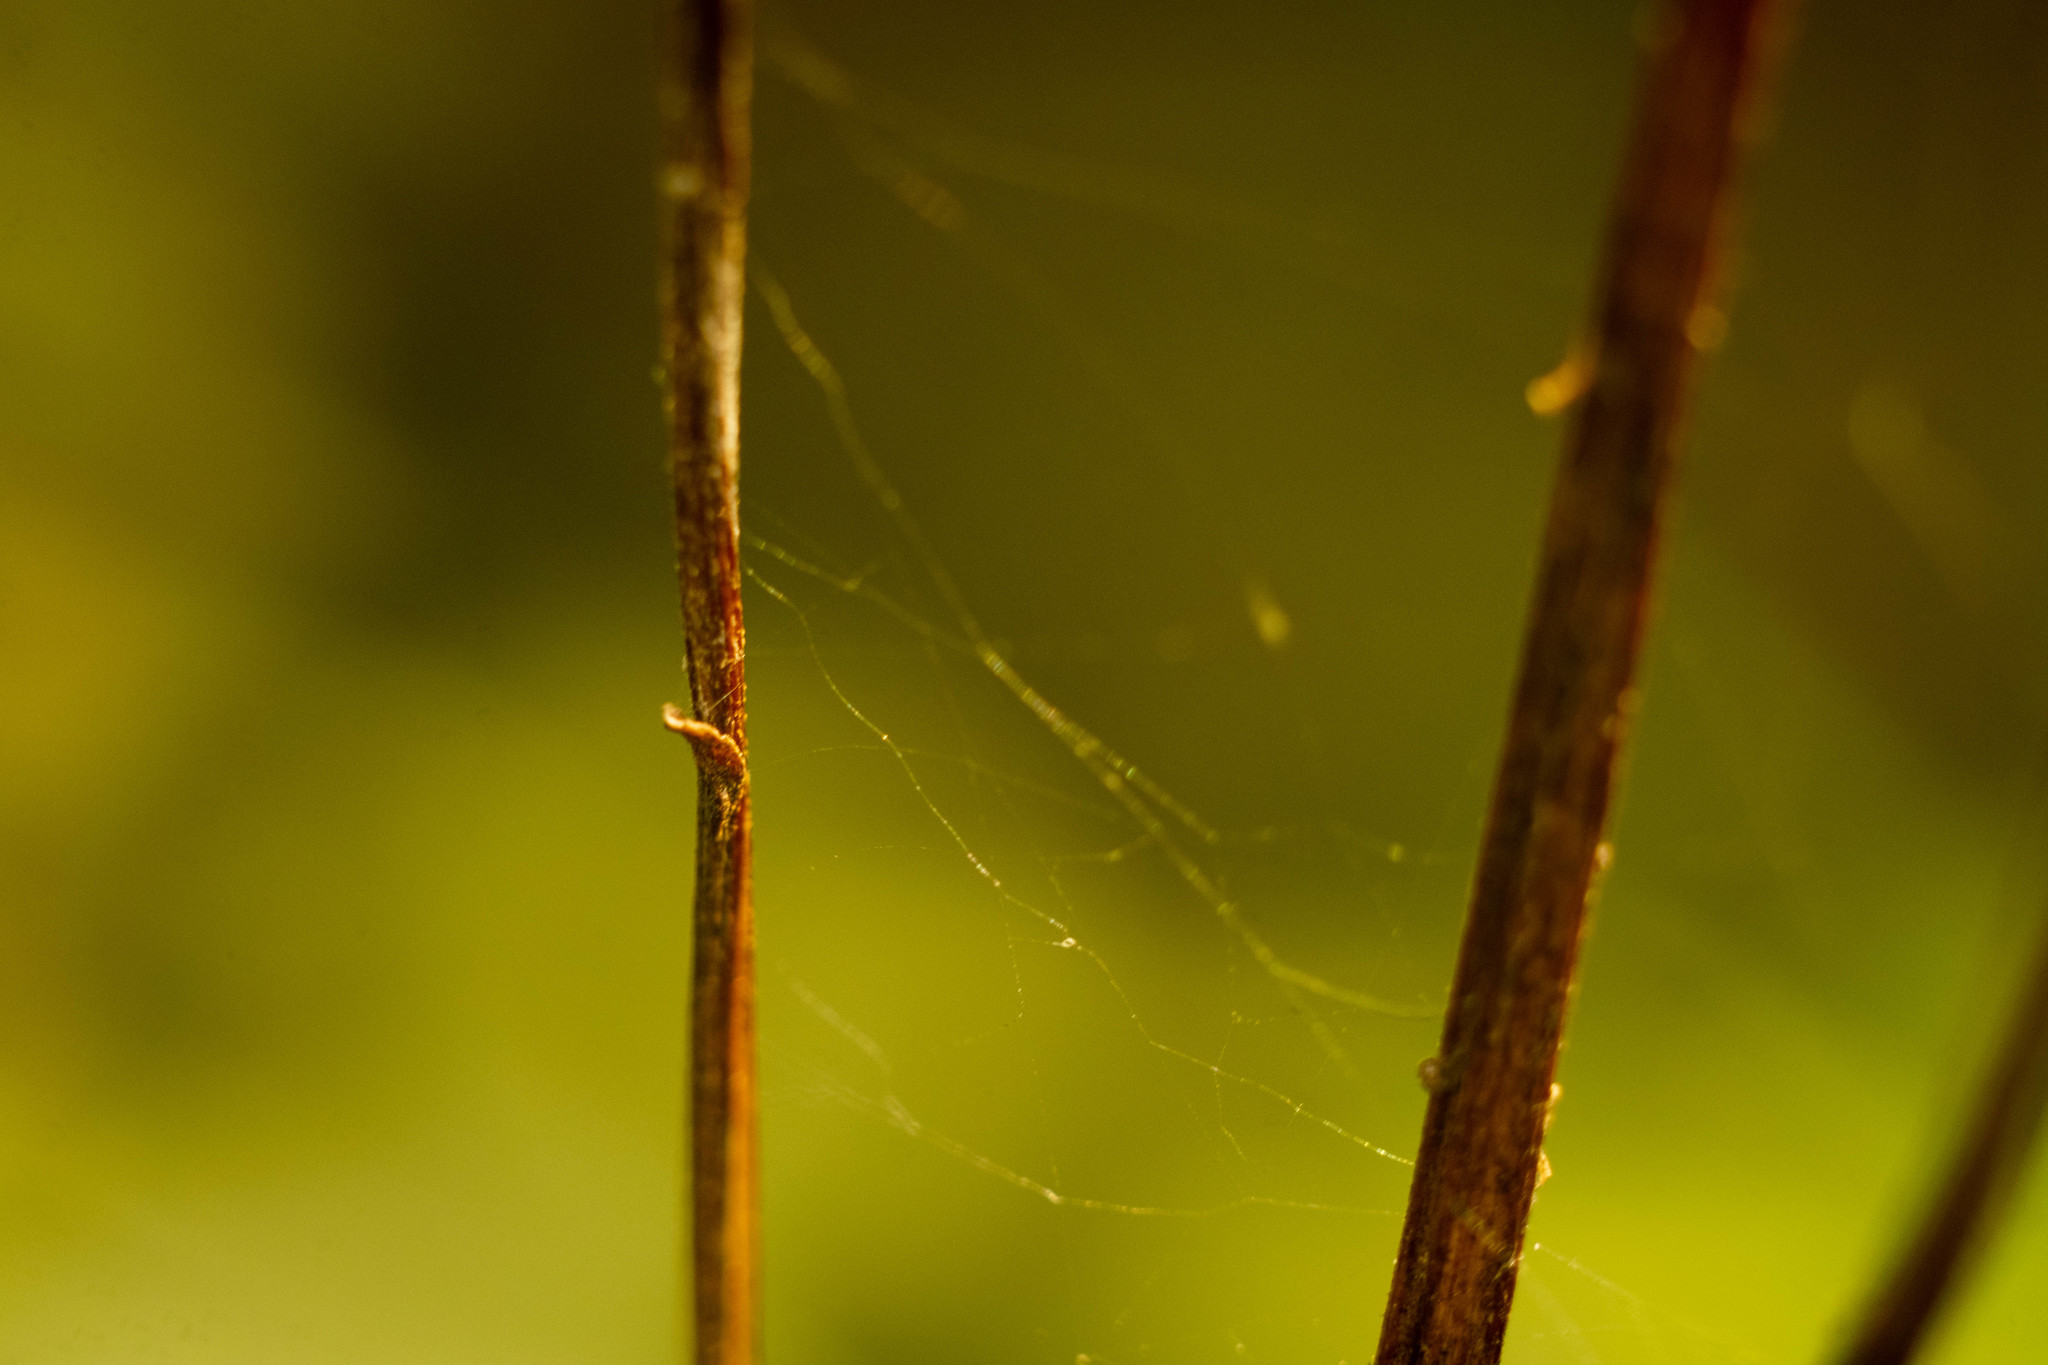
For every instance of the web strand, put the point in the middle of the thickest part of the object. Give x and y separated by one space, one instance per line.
1142 798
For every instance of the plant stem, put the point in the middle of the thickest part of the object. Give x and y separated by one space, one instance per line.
1491 1081
706 99
1979 1184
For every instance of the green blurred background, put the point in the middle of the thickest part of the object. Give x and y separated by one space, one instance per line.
345 863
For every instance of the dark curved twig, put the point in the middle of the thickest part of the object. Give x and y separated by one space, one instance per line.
1978 1186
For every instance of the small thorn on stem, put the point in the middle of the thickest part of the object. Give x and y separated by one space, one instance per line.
714 748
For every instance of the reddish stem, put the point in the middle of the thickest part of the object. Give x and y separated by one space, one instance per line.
706 98
1491 1081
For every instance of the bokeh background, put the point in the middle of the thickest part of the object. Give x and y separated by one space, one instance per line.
343 863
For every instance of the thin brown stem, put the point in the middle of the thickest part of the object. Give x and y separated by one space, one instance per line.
1491 1081
1978 1185
706 96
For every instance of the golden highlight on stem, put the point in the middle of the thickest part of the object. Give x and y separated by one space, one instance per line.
1491 1081
1978 1185
706 98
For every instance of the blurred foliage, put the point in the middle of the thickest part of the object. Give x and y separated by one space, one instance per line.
342 859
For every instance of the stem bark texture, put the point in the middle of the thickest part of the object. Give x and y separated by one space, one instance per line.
706 99
1491 1081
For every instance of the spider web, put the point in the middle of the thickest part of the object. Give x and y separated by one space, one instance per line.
1121 1080
1108 903
1143 493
